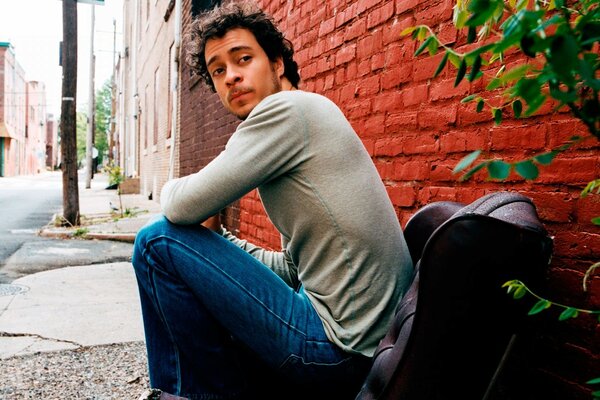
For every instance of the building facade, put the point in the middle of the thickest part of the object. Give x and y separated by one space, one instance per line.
13 113
147 99
23 119
416 130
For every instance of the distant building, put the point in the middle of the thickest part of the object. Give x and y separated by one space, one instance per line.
13 99
22 118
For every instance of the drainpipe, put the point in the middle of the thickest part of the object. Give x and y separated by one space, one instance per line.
175 63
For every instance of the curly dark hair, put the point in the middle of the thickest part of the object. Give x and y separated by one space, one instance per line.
217 22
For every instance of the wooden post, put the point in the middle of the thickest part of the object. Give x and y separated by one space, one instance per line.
68 126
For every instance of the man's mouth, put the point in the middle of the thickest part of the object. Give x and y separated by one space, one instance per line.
238 93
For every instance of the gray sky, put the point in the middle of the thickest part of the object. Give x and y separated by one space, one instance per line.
34 28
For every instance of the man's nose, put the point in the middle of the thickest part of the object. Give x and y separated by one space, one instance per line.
233 76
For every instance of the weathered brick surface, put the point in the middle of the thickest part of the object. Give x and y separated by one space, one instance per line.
416 130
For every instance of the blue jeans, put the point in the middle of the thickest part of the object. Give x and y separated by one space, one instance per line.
221 325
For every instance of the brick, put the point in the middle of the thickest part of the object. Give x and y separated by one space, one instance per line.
467 115
553 206
464 140
327 26
402 196
369 87
369 45
435 14
377 62
391 32
355 30
577 244
574 171
441 171
367 5
447 33
587 208
445 90
345 55
389 147
414 95
363 68
394 76
438 117
422 144
416 170
380 15
430 194
401 121
519 137
374 125
425 66
403 6
388 102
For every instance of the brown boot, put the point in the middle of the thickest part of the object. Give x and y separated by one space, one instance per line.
157 394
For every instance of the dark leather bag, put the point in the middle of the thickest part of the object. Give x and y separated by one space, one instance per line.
454 326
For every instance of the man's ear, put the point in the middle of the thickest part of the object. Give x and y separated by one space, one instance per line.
279 67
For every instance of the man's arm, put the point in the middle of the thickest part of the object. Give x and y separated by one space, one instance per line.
268 143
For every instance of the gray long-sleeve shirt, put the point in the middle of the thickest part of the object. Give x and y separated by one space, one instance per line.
341 238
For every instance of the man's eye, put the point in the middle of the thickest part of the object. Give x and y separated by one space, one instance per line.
217 71
245 59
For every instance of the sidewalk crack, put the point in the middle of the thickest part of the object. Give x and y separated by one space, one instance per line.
35 335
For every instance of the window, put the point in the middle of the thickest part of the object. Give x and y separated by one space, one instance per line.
169 89
199 6
146 117
155 106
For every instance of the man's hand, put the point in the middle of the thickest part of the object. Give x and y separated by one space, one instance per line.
213 223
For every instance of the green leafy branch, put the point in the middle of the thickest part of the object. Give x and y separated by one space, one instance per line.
499 169
518 290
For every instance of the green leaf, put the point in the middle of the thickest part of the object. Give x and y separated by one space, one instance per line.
466 161
469 98
519 292
454 59
527 169
407 31
475 69
421 33
494 84
517 107
594 381
498 169
497 113
545 158
472 34
568 313
539 307
481 11
515 73
596 220
423 46
433 45
460 74
473 171
564 56
442 64
480 105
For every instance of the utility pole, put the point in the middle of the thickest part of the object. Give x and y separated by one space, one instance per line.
90 129
68 127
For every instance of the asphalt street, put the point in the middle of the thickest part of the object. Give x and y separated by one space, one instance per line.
27 203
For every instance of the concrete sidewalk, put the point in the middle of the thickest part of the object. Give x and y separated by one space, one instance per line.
78 306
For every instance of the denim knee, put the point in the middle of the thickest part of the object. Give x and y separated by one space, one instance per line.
153 228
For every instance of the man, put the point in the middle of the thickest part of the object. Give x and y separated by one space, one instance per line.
216 308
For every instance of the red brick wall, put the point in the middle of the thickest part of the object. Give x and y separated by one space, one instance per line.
416 130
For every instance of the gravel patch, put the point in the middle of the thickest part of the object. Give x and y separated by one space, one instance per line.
116 371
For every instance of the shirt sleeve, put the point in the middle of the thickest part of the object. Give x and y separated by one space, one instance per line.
268 143
278 261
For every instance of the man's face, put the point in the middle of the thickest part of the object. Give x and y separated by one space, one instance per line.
241 72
